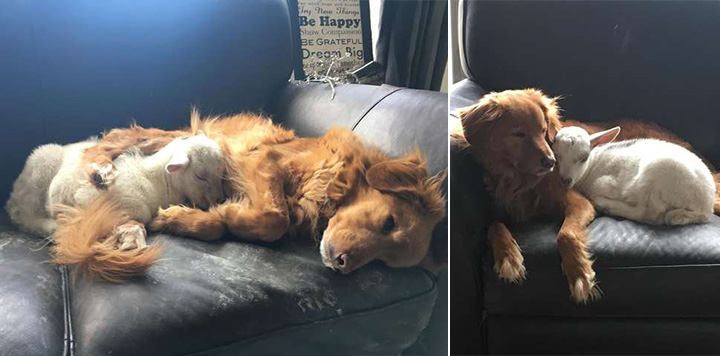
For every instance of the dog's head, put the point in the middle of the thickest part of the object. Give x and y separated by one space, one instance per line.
387 212
515 129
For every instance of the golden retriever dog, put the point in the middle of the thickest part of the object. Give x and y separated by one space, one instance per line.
363 204
509 133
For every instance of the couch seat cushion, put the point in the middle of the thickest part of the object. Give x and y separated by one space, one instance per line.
643 271
32 321
232 297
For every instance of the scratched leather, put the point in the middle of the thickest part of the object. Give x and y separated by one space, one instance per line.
201 295
31 307
643 270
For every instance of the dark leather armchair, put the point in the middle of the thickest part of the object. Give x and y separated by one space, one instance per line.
75 68
655 61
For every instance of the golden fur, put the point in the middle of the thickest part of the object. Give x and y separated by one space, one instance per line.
521 191
302 184
87 237
279 184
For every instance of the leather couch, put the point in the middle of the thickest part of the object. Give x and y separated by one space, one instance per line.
72 69
655 61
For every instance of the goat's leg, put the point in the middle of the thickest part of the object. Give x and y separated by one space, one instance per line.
622 209
98 159
130 236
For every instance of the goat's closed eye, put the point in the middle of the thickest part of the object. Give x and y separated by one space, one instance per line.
199 177
518 134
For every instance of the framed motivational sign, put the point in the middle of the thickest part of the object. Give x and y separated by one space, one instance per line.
331 31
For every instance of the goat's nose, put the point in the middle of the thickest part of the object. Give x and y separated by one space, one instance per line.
548 162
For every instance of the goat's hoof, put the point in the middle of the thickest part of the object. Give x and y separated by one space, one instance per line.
131 237
103 176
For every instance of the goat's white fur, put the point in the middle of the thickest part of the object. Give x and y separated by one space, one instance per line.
187 169
645 180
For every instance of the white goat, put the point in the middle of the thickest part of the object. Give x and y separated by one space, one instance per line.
187 169
645 180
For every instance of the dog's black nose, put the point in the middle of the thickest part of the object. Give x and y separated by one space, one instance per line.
548 162
566 181
341 260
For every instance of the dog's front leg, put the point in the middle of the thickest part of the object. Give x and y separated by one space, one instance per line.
265 216
202 225
572 238
506 252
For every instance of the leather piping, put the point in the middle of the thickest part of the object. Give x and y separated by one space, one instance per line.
372 106
68 342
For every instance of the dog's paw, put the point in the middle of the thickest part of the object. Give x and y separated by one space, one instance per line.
511 268
584 288
165 217
102 176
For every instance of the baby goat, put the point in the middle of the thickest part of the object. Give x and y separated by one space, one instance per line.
645 180
103 230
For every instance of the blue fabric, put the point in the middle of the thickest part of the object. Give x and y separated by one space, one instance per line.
71 69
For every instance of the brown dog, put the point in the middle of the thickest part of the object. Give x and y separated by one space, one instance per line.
366 205
510 134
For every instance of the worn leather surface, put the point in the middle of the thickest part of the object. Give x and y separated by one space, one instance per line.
510 335
31 297
71 69
643 271
228 295
407 118
310 108
654 61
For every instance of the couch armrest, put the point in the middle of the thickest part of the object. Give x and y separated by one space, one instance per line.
469 203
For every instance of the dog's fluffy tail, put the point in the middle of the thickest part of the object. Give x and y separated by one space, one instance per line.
84 239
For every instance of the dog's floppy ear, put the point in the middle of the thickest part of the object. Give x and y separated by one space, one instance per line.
551 110
476 119
408 177
401 175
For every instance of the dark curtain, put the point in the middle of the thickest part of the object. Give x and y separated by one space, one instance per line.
412 44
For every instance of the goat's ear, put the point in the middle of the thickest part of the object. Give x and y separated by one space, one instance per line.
177 163
398 175
604 137
476 119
